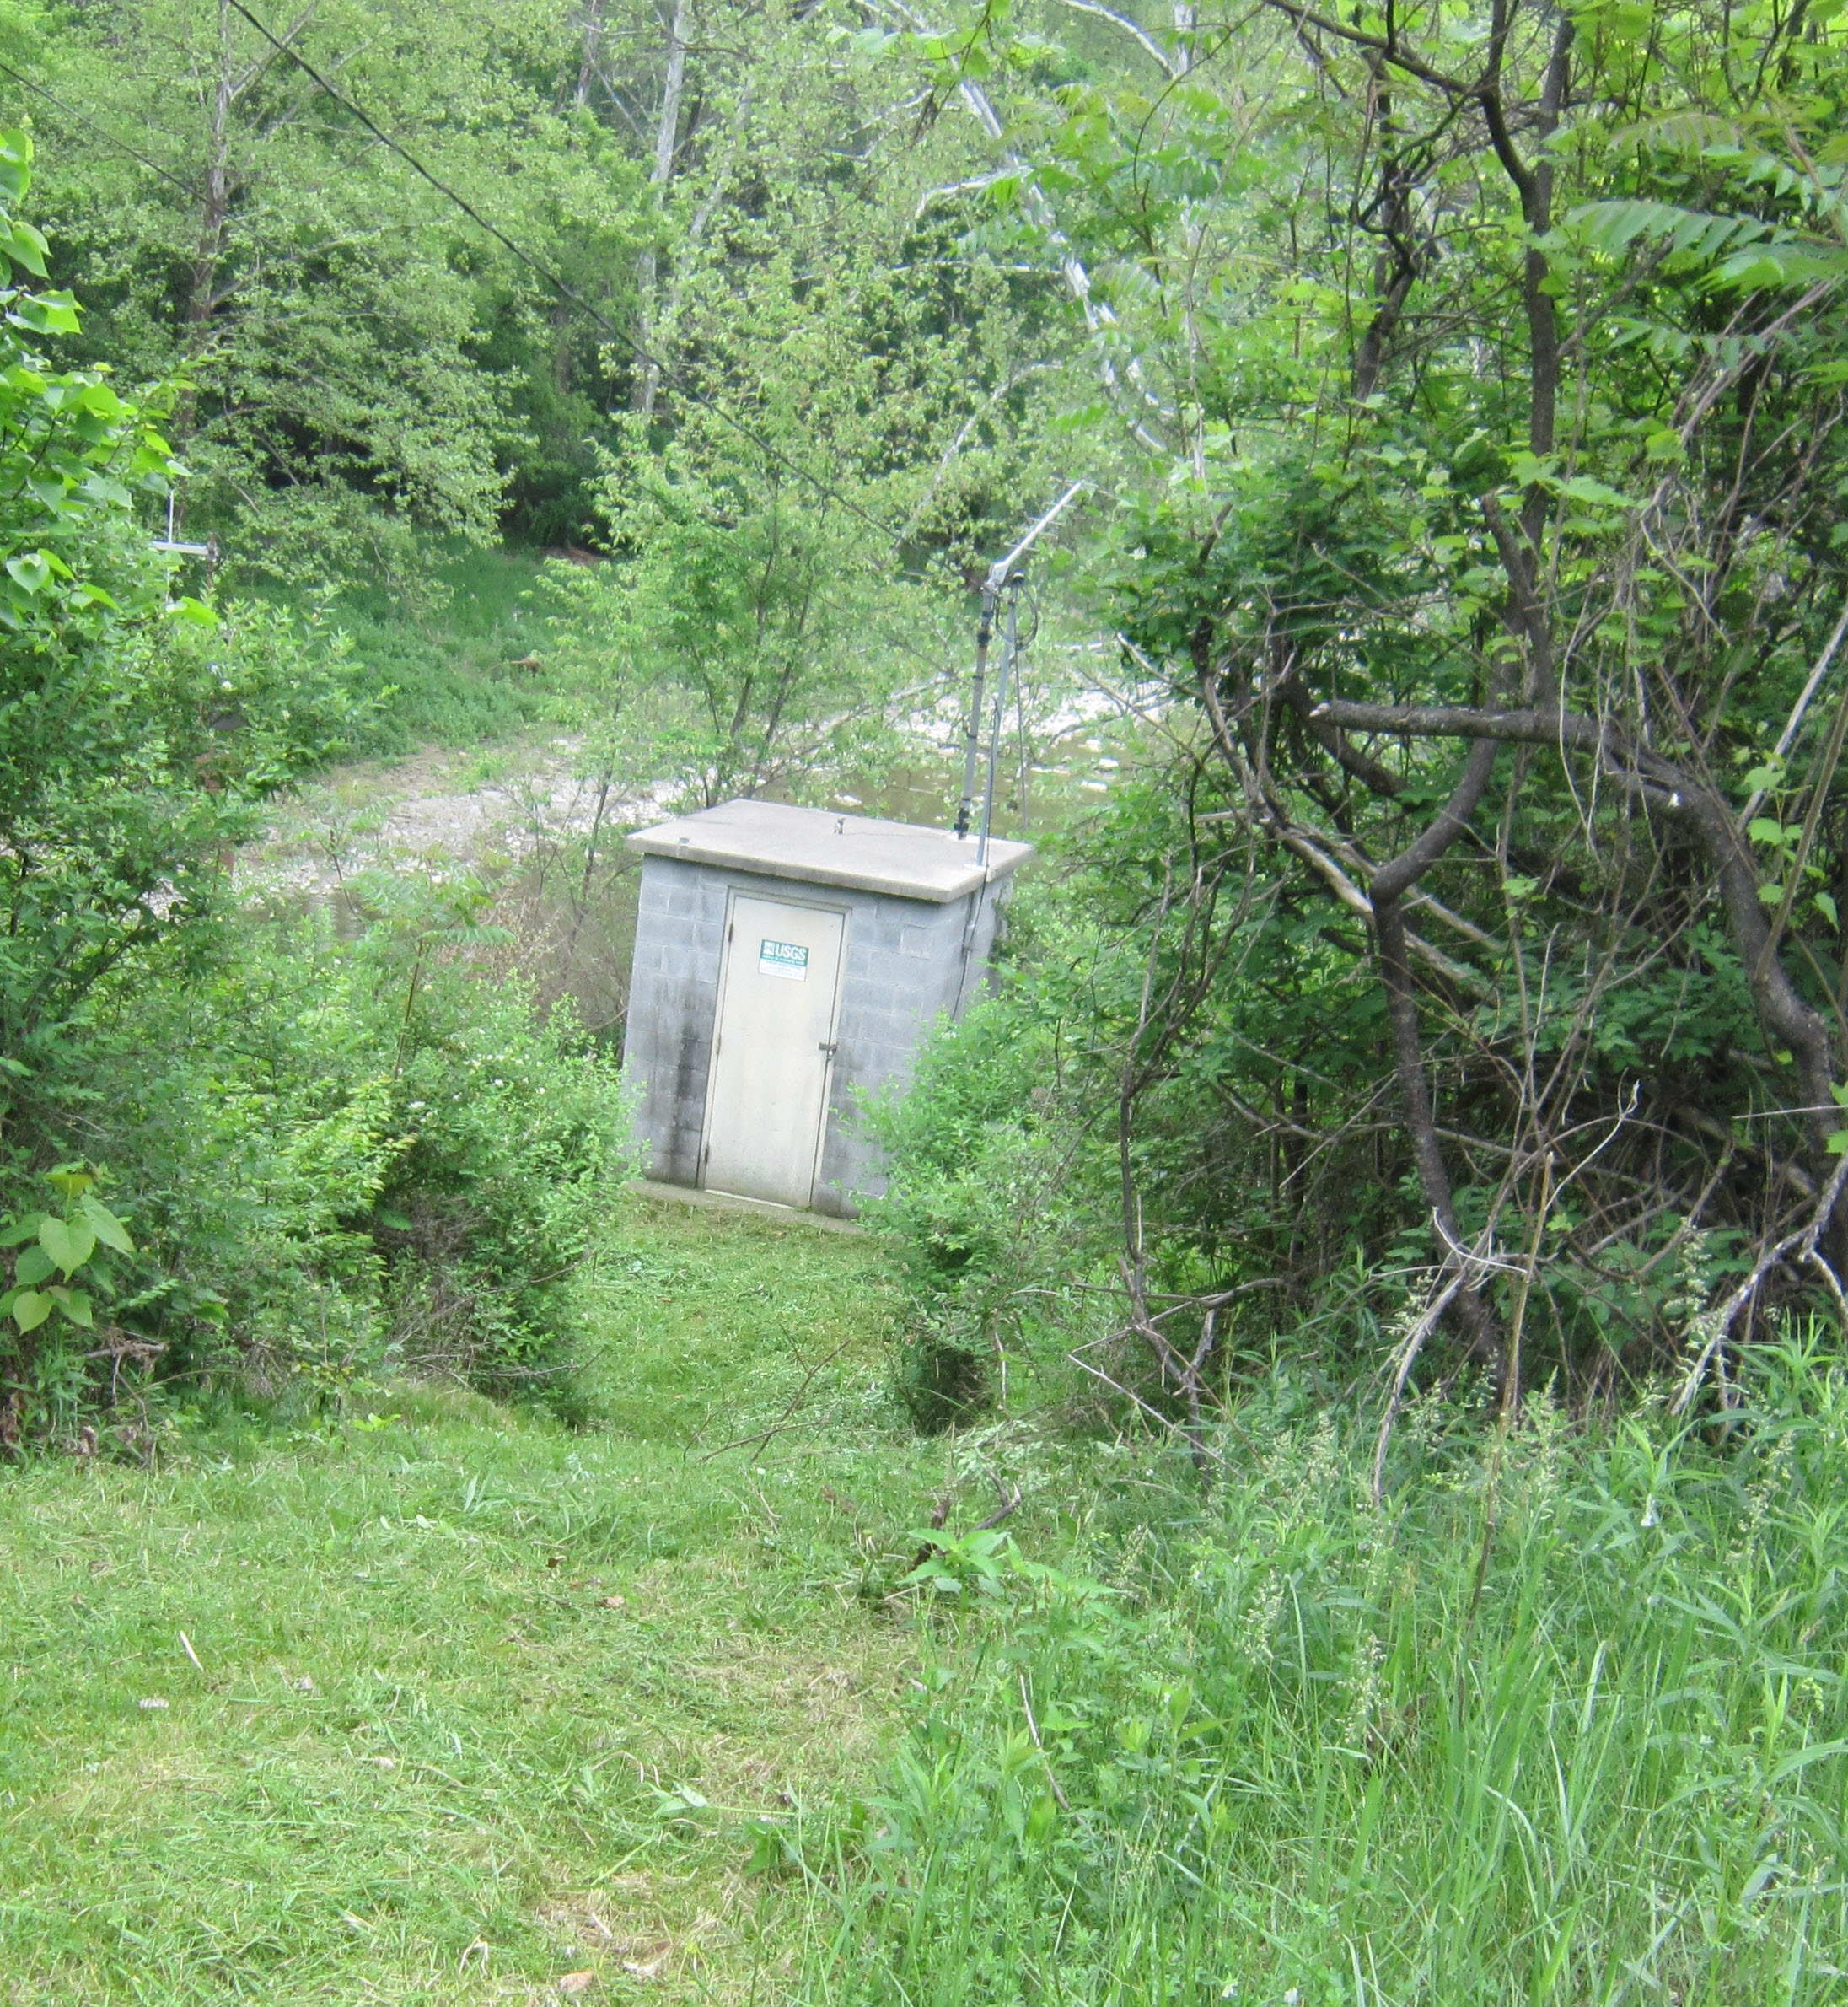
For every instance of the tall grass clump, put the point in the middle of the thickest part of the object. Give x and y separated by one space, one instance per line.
1563 1721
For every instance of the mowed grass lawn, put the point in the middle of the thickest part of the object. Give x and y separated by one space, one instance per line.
448 1702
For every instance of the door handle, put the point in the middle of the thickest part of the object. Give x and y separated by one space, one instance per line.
830 1050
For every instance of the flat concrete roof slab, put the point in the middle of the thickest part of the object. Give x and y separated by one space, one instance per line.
824 847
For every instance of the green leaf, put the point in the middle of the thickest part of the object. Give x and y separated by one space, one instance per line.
15 164
32 1268
1826 905
27 1228
1769 267
25 246
70 1242
75 1304
47 314
31 1307
104 1224
1613 227
1582 488
32 571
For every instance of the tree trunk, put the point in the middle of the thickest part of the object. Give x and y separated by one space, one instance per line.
208 252
666 135
593 42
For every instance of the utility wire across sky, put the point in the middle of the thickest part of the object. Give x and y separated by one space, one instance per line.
559 283
121 146
894 536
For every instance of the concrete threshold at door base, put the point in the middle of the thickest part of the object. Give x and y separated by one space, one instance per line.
730 1201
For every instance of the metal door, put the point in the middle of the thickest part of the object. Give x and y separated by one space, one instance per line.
773 1049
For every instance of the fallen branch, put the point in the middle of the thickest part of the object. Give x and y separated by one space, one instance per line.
1129 1394
1033 1730
777 1427
1408 1357
1192 1388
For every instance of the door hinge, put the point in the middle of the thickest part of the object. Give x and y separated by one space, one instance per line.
729 932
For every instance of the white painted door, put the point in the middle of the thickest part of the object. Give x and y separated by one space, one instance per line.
775 1044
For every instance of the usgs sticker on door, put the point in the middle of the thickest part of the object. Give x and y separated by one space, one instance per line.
782 958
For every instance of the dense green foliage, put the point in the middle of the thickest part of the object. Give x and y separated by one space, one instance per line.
728 326
358 362
1476 384
1564 1725
137 729
324 1160
318 1175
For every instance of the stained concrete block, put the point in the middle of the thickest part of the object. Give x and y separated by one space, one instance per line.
903 964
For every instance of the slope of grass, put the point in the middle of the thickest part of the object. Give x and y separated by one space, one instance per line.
454 1706
1565 1722
442 1704
468 661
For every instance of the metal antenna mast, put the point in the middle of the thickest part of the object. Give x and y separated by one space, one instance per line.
1001 574
1010 664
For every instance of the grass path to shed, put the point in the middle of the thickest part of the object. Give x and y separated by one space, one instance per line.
447 1704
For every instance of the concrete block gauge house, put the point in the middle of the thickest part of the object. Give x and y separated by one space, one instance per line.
785 957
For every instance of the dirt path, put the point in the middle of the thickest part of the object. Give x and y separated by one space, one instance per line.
449 809
438 809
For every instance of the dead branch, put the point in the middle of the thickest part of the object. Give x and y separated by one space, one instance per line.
1718 1324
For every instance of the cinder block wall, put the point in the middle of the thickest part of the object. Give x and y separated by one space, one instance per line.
904 968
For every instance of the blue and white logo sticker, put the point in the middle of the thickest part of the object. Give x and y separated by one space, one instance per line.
782 958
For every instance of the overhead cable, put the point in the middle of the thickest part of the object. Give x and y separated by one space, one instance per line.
559 284
121 146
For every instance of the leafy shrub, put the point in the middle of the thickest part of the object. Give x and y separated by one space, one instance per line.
244 1100
254 1090
63 1271
974 1207
330 1178
141 733
514 1132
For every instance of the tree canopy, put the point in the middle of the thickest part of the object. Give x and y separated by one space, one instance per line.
1458 392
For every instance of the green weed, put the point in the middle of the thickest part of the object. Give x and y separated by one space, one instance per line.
469 663
1564 1722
